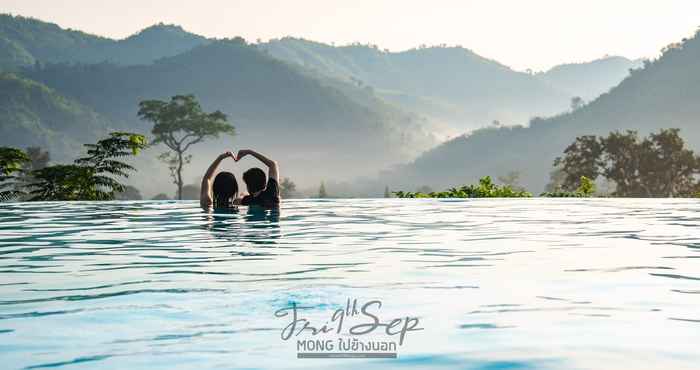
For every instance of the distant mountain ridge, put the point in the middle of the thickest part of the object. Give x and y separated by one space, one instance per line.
450 84
306 122
35 115
590 79
662 94
316 105
28 40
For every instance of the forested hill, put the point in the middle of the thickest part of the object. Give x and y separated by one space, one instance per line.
450 84
590 80
664 94
275 106
35 115
24 41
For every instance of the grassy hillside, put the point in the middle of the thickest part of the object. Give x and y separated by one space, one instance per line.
319 129
664 94
32 114
449 84
590 80
25 40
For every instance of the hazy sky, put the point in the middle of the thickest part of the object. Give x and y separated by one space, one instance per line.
522 34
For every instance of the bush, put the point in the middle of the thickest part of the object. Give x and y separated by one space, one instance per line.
485 189
586 189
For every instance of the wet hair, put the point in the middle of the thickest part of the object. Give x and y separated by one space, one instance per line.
225 189
255 180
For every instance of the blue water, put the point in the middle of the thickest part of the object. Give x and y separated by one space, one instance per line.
496 284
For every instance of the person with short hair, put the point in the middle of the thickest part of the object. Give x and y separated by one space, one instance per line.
263 191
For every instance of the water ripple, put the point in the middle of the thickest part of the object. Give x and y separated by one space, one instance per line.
497 284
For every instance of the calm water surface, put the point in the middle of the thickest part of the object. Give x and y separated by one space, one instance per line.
496 284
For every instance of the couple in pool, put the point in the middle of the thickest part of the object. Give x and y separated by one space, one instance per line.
222 191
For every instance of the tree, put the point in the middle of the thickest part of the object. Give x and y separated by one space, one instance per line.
666 167
190 192
161 196
129 193
658 166
576 103
91 177
581 158
512 179
62 182
621 163
287 188
557 176
11 163
179 124
585 189
322 191
38 158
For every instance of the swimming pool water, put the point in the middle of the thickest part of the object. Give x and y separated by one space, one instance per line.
495 284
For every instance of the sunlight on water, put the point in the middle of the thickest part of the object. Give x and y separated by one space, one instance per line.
497 284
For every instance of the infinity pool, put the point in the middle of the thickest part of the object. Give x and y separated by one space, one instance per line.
494 284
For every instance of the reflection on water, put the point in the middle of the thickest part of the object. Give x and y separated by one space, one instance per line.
497 284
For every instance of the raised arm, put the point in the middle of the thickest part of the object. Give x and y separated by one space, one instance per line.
272 167
206 198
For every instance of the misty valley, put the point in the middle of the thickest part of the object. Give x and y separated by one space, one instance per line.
354 120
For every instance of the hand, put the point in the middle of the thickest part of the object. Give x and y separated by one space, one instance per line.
241 153
226 154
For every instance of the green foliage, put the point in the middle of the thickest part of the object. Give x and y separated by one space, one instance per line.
12 162
64 182
13 56
485 189
585 189
129 193
34 115
663 94
657 166
179 124
581 159
38 159
93 177
286 106
26 40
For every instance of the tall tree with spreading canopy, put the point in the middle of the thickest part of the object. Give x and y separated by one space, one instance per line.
581 158
658 166
179 124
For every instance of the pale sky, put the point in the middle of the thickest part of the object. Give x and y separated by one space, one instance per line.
534 34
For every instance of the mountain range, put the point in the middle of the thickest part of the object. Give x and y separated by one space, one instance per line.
454 85
341 111
25 41
663 93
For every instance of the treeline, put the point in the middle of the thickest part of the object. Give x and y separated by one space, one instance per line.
95 176
655 166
